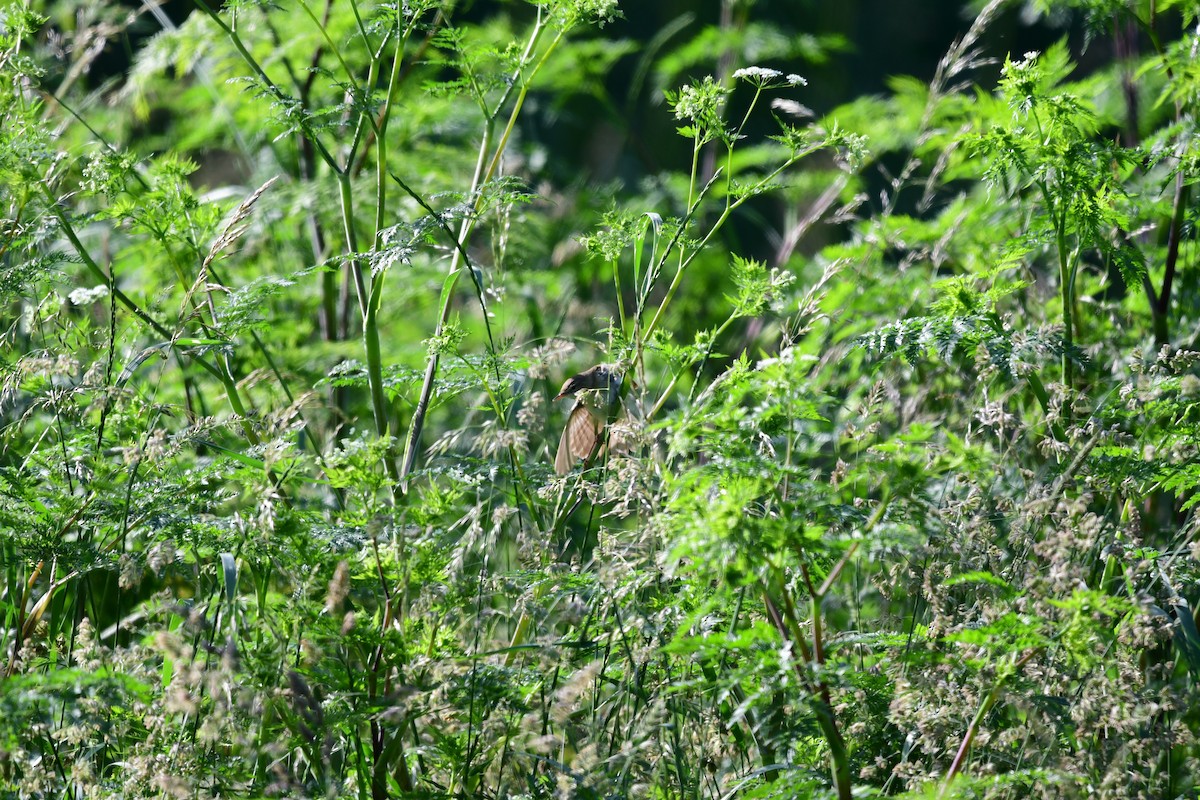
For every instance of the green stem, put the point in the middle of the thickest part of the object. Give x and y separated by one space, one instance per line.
1067 279
371 344
333 48
482 175
221 374
788 624
616 268
381 159
275 91
989 702
369 301
730 207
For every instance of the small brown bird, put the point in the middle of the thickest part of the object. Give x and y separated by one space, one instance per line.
595 391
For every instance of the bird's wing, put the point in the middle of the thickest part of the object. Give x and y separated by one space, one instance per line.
578 439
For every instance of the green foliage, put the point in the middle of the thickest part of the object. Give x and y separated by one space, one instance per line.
897 498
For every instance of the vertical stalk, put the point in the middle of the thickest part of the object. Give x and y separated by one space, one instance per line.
412 441
1067 289
368 301
384 753
221 373
985 707
1162 307
482 175
787 623
1066 282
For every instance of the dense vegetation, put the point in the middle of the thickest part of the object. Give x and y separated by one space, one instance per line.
900 497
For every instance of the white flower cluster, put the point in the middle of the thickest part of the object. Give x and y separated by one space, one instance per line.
764 76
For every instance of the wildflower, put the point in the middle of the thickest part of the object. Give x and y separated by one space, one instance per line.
759 75
765 77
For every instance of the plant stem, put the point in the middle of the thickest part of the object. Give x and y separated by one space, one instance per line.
270 85
222 374
989 702
369 300
482 175
788 625
1174 235
730 207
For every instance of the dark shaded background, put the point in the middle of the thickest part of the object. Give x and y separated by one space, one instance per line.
625 132
883 38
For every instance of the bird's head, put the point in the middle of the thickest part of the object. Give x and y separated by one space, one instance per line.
599 377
